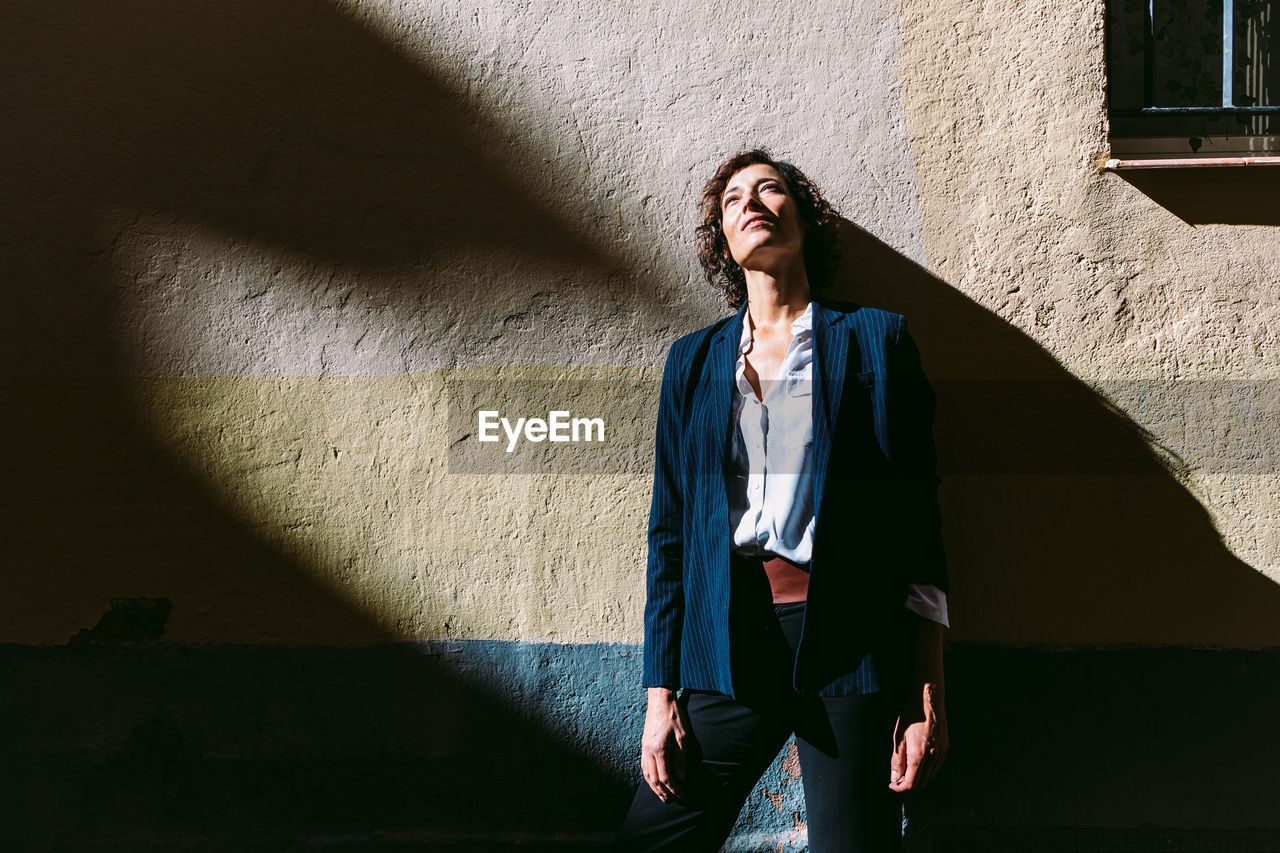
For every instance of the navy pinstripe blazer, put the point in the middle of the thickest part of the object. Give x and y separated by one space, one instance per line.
877 526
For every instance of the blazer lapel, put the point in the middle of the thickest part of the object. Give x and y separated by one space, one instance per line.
714 409
830 356
723 358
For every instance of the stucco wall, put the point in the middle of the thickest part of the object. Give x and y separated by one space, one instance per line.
216 207
250 252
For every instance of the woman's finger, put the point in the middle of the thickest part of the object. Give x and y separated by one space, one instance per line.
897 754
671 771
908 779
649 771
666 792
657 770
654 781
898 764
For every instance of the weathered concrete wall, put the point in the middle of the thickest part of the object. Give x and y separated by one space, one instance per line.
371 195
251 251
1156 305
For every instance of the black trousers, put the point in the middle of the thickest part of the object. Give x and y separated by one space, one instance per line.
844 746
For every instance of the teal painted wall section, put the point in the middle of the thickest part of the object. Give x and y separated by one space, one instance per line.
502 745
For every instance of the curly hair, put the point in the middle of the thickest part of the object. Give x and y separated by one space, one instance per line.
818 217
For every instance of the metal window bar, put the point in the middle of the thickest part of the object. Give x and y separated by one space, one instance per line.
1149 55
1258 74
1228 16
1148 107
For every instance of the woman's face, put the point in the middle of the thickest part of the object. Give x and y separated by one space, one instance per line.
759 217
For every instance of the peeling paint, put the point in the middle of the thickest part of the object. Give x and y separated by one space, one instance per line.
130 620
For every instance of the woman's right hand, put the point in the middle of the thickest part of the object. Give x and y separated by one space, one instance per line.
662 750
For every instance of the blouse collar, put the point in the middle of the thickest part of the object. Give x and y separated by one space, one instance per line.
803 323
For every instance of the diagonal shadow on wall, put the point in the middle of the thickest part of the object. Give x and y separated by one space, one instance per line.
1071 536
1200 196
295 127
1068 515
290 126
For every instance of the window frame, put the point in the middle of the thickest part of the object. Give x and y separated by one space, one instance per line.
1153 152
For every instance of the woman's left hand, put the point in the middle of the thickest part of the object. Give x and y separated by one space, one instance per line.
919 741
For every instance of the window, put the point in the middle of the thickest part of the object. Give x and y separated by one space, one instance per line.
1192 81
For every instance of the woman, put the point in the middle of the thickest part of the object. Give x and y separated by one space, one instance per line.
796 579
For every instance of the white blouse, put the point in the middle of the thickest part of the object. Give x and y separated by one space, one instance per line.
771 462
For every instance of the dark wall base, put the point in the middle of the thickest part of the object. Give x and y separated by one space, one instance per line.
487 745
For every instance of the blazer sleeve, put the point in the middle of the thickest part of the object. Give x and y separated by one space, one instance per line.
664 585
911 414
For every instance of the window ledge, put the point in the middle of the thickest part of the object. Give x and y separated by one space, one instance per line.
1116 165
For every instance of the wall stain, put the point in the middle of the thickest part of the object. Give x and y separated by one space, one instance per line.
130 620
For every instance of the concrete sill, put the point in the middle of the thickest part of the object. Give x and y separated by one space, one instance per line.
1115 165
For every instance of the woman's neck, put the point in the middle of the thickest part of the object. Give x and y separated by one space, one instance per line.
777 298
